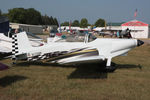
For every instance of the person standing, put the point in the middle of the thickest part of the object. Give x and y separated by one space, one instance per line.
118 34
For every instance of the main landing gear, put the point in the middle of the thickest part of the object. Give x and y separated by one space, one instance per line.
110 67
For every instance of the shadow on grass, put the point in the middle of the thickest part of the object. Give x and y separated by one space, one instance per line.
83 71
128 66
91 71
96 71
27 64
8 80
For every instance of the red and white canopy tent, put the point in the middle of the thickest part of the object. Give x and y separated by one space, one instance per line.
138 29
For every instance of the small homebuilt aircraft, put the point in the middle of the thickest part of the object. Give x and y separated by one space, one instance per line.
100 49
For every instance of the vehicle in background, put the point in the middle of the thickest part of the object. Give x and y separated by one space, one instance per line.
53 33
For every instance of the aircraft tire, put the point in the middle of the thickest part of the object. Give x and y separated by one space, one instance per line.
111 68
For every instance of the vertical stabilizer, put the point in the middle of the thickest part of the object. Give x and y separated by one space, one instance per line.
20 44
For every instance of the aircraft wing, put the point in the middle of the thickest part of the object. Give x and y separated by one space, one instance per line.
5 43
33 35
4 50
4 38
5 46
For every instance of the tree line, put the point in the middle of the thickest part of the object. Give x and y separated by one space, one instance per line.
34 17
84 23
29 16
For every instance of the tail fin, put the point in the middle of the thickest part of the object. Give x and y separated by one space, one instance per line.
20 44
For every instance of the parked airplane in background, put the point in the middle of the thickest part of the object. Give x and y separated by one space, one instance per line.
6 44
105 33
99 49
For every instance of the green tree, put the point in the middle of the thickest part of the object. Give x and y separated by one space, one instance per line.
33 17
44 19
100 23
30 16
65 24
25 16
0 13
17 15
75 23
55 22
84 23
52 21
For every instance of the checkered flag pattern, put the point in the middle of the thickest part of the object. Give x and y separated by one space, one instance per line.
46 56
14 46
40 57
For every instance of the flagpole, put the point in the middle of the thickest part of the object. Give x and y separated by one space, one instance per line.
59 26
135 14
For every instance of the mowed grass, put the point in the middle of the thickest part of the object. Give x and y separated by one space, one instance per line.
40 81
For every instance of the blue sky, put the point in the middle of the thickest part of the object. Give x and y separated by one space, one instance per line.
66 10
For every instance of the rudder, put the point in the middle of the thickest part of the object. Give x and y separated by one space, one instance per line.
20 44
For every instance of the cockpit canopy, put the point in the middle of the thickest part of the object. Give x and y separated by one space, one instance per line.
78 36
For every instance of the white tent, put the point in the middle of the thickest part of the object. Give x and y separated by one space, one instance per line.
138 29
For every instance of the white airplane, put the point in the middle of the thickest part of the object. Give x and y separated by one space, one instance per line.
5 46
100 49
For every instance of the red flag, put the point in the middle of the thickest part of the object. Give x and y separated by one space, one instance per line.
135 13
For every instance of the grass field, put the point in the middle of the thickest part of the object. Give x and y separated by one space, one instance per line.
40 81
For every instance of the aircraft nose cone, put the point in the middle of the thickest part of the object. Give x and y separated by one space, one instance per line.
139 42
